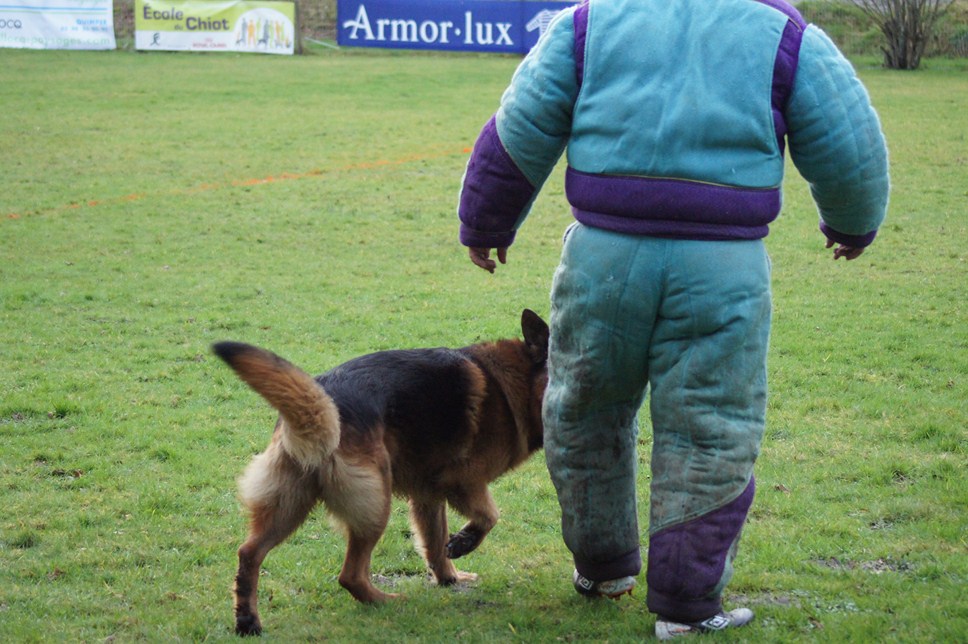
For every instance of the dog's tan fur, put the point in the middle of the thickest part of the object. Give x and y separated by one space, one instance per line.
343 440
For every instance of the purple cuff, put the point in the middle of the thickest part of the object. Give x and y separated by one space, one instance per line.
628 565
854 241
480 239
687 561
495 193
671 207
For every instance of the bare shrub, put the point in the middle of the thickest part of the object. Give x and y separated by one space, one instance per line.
907 25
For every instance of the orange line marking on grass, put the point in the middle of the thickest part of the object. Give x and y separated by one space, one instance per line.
245 183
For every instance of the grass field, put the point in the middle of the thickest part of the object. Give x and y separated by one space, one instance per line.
153 204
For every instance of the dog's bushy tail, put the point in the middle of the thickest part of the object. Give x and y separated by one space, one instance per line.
310 420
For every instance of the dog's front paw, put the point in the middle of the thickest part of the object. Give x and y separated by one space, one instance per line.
463 542
459 579
247 625
467 578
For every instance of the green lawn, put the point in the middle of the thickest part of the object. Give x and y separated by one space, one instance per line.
153 204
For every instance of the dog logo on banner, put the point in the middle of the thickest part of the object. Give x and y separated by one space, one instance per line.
541 20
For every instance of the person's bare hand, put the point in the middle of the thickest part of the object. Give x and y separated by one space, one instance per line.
482 257
847 252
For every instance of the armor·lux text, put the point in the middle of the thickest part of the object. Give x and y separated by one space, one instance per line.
397 30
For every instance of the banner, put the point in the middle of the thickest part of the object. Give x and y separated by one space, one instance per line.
501 26
202 25
57 24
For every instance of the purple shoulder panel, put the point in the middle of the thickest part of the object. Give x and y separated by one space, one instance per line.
787 9
784 73
785 64
581 31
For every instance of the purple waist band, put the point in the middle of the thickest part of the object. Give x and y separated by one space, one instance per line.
671 207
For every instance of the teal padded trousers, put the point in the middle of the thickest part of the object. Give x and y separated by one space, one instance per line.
689 322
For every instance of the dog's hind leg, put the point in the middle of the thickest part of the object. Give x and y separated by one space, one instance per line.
270 527
360 500
279 497
355 575
476 504
429 520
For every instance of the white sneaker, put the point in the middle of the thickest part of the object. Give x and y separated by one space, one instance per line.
666 629
613 588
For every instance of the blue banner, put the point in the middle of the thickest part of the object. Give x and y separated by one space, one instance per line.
499 26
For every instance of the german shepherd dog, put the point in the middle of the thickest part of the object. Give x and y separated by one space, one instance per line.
433 425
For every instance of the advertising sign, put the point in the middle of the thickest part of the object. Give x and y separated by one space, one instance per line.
205 25
57 24
502 26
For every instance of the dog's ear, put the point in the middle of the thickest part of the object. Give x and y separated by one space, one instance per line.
536 334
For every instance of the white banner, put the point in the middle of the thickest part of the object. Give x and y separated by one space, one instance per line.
57 24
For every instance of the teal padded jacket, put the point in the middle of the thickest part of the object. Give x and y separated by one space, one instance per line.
675 115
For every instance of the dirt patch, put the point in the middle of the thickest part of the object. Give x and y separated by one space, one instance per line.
765 599
877 566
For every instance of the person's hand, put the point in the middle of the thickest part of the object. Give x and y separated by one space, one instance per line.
847 252
482 257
